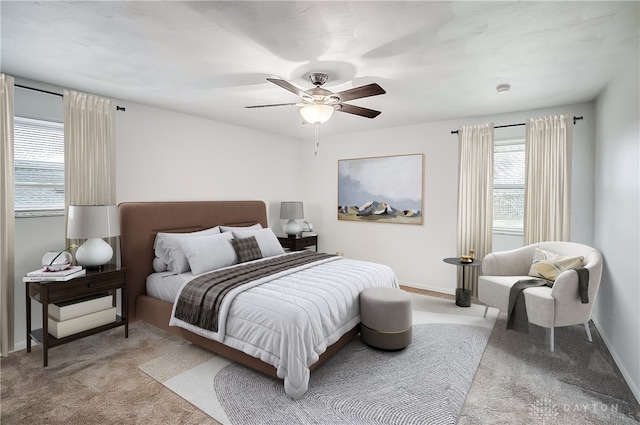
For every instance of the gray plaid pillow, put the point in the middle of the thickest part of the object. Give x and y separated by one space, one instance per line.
247 249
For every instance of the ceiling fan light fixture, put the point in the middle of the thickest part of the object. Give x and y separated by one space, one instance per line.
316 114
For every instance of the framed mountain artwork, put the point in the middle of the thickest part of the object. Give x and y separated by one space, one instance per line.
386 189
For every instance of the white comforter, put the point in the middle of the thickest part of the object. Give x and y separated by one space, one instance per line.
289 319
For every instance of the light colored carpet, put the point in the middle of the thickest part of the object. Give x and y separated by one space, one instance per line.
425 383
94 380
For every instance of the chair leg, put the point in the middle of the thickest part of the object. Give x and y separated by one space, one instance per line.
586 327
485 311
551 341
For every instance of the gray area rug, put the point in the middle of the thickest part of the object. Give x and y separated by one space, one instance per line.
520 381
426 383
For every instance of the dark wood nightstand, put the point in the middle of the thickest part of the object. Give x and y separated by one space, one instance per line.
299 243
107 280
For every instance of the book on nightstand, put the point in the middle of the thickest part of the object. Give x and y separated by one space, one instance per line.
60 329
43 272
71 309
54 276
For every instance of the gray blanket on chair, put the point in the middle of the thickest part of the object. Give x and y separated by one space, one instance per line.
517 318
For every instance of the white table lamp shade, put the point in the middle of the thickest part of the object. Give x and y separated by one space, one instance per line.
291 210
93 222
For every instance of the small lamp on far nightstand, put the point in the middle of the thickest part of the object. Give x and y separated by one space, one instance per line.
93 222
292 211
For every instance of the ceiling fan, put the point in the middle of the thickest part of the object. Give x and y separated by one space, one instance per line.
318 103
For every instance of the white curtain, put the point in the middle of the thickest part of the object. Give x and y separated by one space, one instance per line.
7 216
475 196
547 200
89 150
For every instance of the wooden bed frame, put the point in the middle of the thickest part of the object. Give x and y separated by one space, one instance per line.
139 224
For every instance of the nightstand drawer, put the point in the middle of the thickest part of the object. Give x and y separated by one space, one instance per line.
93 282
299 243
305 242
83 285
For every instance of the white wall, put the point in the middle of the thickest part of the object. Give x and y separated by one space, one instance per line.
168 156
416 252
617 219
36 105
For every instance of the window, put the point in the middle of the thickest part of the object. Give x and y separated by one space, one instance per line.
39 167
508 186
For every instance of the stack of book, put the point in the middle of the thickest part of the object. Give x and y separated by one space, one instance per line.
43 274
81 314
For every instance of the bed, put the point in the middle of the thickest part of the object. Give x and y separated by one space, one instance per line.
140 222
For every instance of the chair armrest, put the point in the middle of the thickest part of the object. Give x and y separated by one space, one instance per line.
515 262
569 307
566 286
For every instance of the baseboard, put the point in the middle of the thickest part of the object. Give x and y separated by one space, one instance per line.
429 288
22 345
625 374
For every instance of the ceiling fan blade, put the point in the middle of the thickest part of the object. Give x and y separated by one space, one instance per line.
287 86
358 110
274 104
359 92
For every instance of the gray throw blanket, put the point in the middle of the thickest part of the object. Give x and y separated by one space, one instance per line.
517 318
200 300
583 284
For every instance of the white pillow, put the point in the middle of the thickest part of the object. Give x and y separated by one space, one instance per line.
267 240
233 229
167 248
159 265
208 253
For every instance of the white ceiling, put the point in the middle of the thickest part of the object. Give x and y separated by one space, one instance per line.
436 60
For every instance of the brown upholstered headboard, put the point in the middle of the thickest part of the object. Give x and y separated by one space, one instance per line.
140 221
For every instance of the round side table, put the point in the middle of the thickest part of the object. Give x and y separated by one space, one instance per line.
463 295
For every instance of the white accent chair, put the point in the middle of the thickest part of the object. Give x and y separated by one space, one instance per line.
546 307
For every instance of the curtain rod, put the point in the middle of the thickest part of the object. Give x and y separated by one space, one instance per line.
518 125
118 108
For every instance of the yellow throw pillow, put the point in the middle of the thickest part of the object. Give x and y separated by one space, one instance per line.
549 265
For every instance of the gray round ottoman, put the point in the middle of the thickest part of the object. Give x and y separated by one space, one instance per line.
385 316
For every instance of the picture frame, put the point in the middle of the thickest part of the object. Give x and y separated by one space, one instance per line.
385 189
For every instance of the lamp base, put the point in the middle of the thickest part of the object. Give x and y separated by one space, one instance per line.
292 228
94 253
